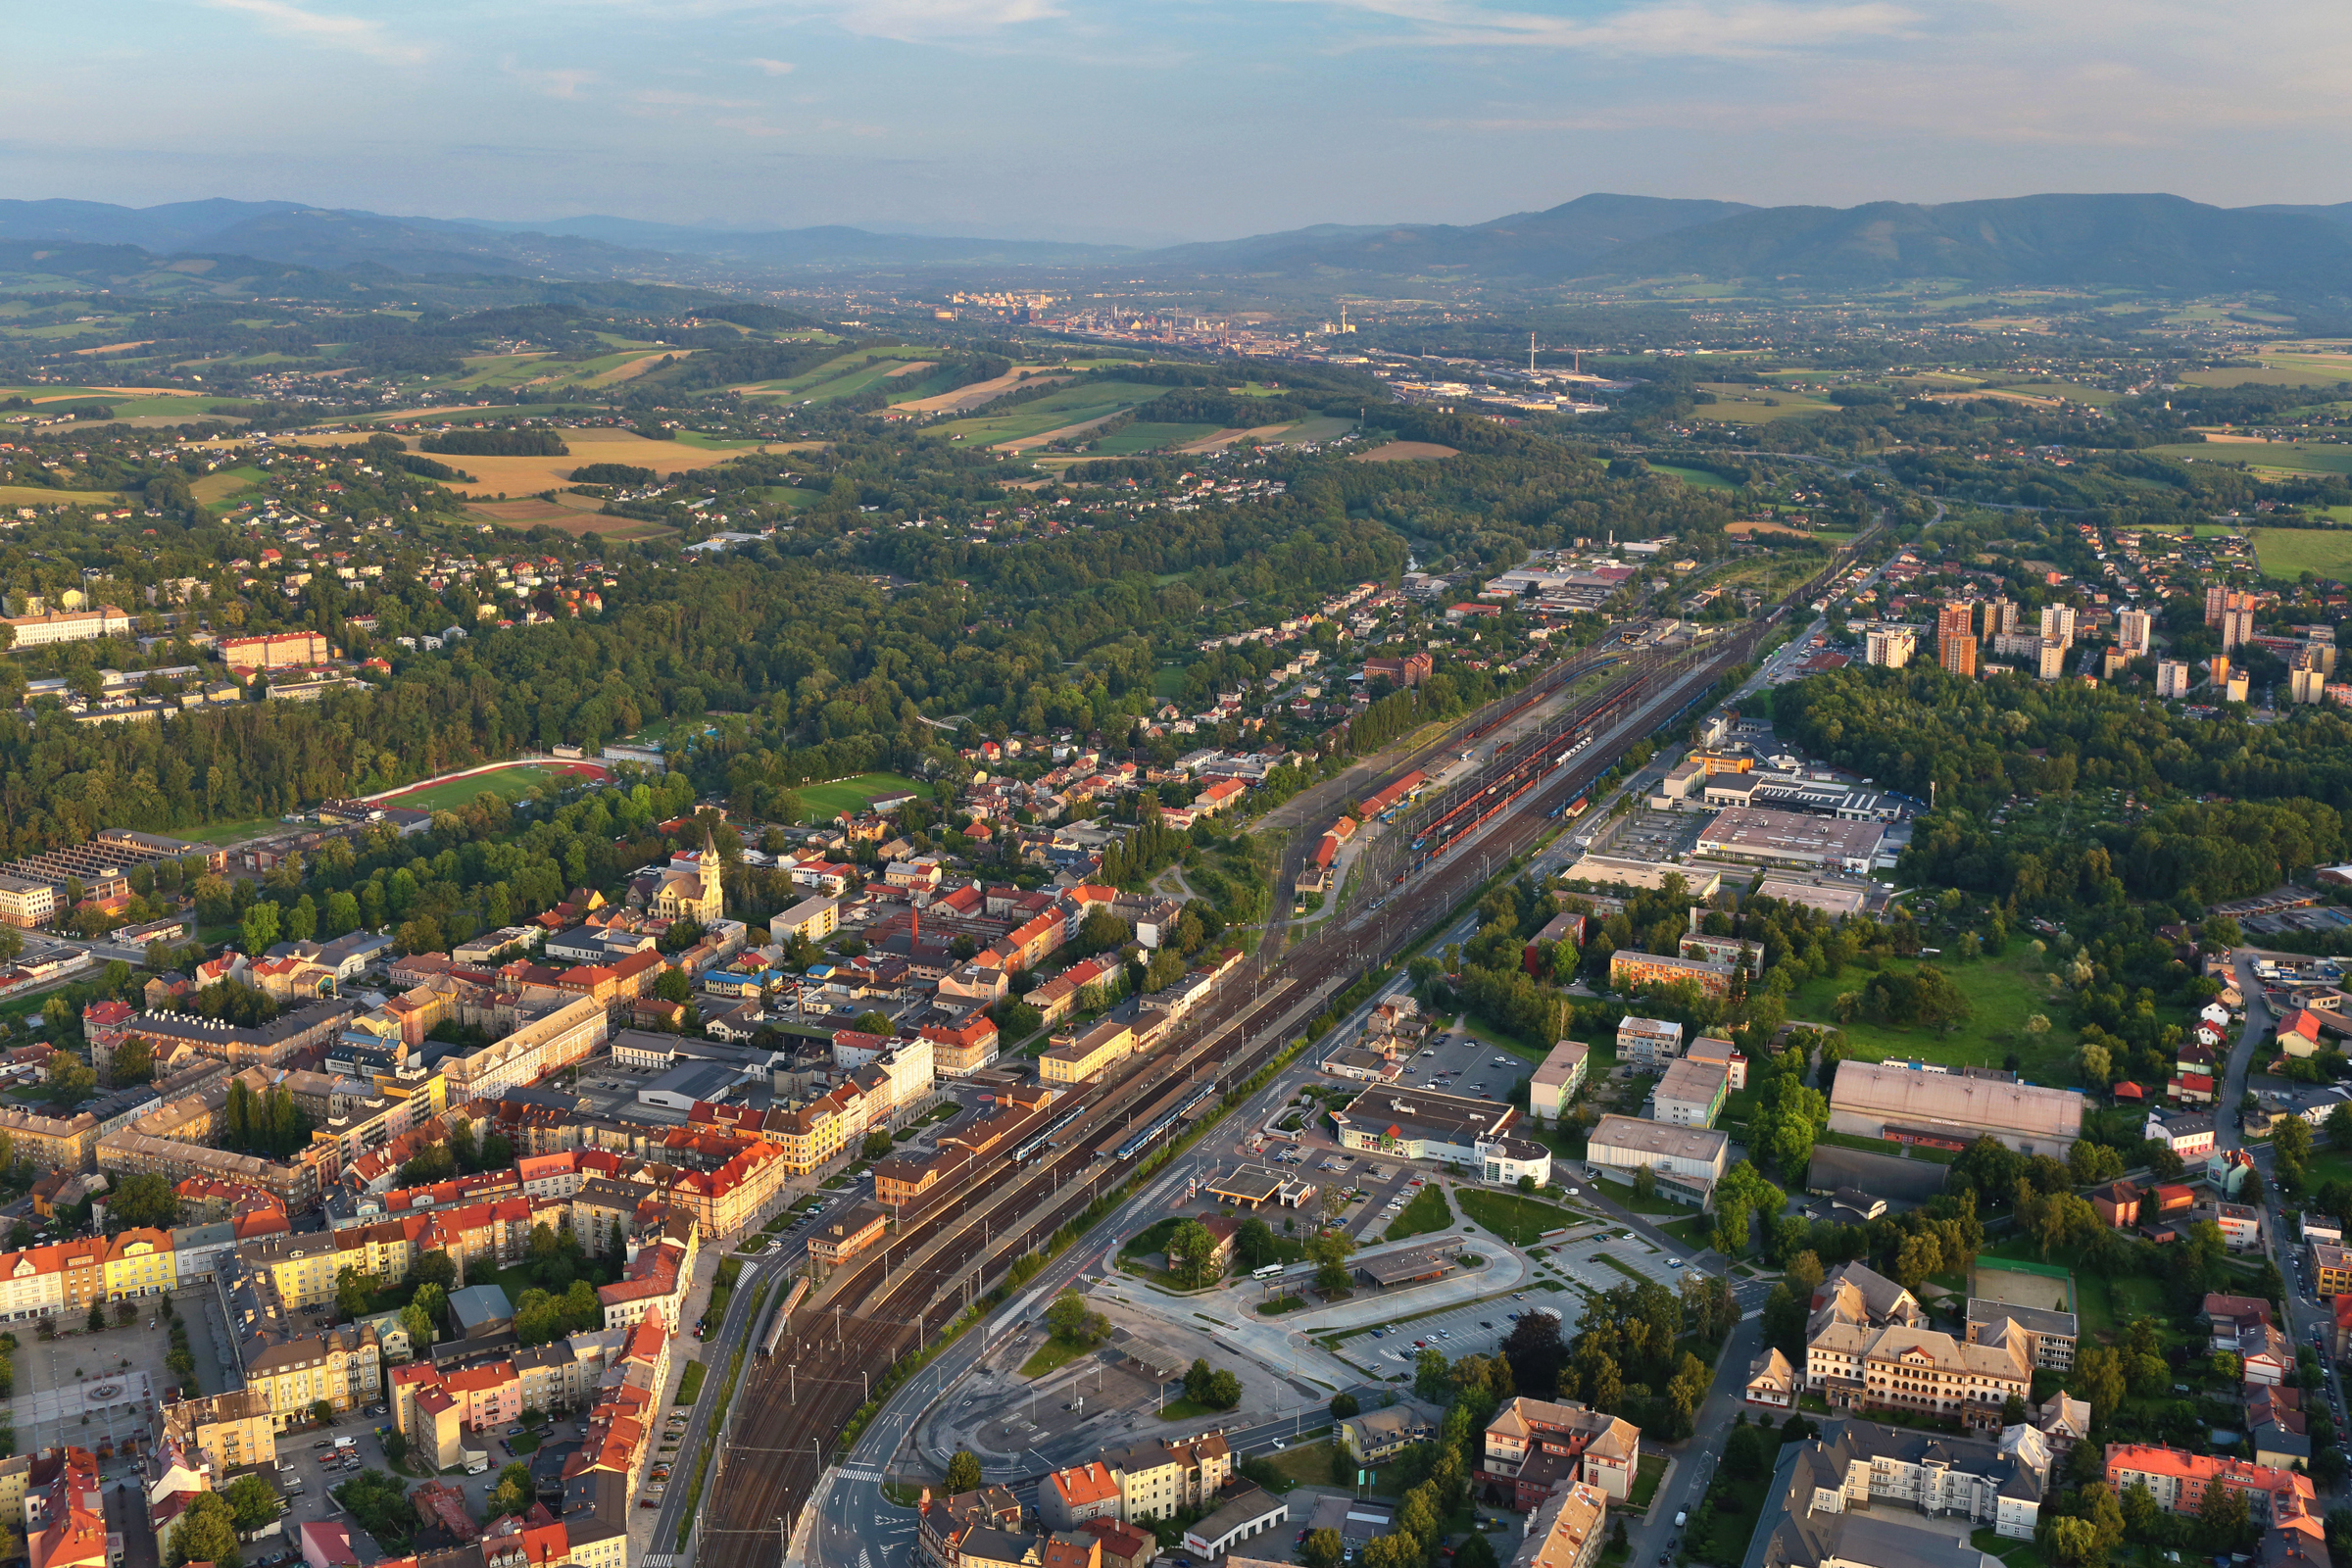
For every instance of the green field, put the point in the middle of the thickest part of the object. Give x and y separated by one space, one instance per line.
1069 405
33 495
821 803
1427 1213
1517 1220
225 832
509 782
2288 457
1696 478
2284 552
1757 405
1148 436
2004 992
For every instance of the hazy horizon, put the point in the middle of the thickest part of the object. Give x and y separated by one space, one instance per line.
1078 120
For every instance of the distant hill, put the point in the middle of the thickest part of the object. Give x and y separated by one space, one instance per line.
581 248
1568 238
2163 242
2135 241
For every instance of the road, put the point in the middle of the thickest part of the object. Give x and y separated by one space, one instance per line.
2310 1320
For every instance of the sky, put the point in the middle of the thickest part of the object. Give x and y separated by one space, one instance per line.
1146 120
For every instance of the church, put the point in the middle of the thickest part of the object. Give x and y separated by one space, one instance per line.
689 888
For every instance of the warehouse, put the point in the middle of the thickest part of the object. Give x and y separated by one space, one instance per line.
1784 838
1687 1161
1951 1110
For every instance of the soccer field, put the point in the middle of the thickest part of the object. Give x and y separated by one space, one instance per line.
447 793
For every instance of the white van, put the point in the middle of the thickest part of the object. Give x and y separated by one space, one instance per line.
1679 1515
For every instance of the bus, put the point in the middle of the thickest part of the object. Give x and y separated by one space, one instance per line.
1265 1271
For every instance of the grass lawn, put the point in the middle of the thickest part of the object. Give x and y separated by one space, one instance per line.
821 803
1308 1463
1187 1411
225 832
1696 478
509 782
1517 1220
1622 1194
2107 1306
2284 552
1624 1268
1275 1308
2003 992
1427 1213
1697 1233
1646 1477
1053 1353
2012 1553
690 1383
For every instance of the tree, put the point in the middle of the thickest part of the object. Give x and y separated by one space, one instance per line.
2076 1541
322 1412
1070 1320
1329 1251
674 986
1195 1380
876 1146
144 1201
2339 1126
207 1533
1431 1375
1536 1352
513 1493
133 1062
2291 1140
2222 1518
1475 1551
1646 1182
1192 1253
1224 1390
396 1446
259 931
1344 1406
1254 1243
1324 1548
870 1022
419 1325
354 1293
97 1319
252 1502
436 1268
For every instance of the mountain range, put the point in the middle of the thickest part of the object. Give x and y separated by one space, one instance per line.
2138 241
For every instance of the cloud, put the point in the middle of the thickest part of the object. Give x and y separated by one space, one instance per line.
933 21
1710 28
553 84
356 33
774 68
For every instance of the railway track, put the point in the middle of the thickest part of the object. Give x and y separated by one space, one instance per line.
795 1402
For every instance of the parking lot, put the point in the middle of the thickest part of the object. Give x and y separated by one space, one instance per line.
1648 835
1477 1328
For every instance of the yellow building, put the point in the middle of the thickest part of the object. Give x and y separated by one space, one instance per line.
51 1142
230 1429
344 1366
141 1262
2334 1267
1086 1056
302 1267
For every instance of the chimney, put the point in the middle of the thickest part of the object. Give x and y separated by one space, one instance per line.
914 926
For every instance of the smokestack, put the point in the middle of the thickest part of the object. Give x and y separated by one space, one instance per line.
914 926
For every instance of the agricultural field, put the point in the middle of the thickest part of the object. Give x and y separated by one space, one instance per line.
1058 410
1148 436
2280 369
1736 404
965 398
527 476
846 376
2284 457
509 781
823 802
216 489
2003 993
1701 479
575 514
33 495
2285 551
